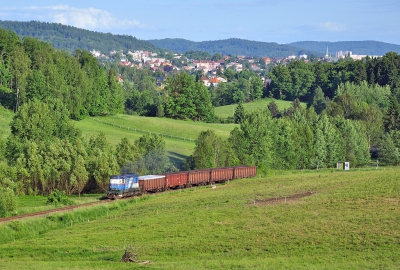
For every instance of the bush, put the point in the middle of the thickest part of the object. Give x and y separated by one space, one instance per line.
8 201
58 197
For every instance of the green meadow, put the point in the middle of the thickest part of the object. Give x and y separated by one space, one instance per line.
179 135
323 219
229 110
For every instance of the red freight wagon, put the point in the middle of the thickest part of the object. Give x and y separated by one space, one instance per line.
152 183
176 179
199 177
244 171
221 174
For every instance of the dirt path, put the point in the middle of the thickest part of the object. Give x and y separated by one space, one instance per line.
279 200
46 212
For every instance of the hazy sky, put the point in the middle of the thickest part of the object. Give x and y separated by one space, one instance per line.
281 21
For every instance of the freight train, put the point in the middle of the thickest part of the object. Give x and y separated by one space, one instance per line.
127 185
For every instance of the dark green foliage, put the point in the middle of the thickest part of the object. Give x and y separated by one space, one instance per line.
39 121
232 46
58 197
319 102
355 141
70 38
273 109
392 118
303 139
212 152
239 113
188 99
126 153
283 145
243 86
46 149
200 55
370 81
329 143
31 69
388 151
373 95
101 163
281 83
252 142
302 76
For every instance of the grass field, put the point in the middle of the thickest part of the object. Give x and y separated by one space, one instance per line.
179 136
229 110
30 204
286 220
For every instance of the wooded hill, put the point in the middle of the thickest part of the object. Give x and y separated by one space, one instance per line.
70 38
235 46
232 46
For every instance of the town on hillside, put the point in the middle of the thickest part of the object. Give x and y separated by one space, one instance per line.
209 68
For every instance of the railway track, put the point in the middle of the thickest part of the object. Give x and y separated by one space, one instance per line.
55 210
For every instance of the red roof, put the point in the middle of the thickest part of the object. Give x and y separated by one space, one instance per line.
214 80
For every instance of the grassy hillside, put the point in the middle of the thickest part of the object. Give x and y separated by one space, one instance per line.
293 220
229 110
179 135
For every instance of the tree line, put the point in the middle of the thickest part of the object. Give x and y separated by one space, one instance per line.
299 79
299 139
365 90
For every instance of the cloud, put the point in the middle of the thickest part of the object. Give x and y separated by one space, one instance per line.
86 18
330 26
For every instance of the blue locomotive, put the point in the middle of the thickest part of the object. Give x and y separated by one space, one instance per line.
124 185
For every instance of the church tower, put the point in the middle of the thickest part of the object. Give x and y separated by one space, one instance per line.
326 53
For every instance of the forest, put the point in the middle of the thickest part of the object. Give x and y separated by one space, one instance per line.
69 38
353 111
233 46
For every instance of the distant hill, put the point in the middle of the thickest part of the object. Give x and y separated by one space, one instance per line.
236 46
232 46
369 47
72 38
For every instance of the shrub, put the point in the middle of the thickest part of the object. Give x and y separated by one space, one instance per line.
58 197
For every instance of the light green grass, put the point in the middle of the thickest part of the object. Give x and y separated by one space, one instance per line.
350 222
179 135
5 119
229 110
30 204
